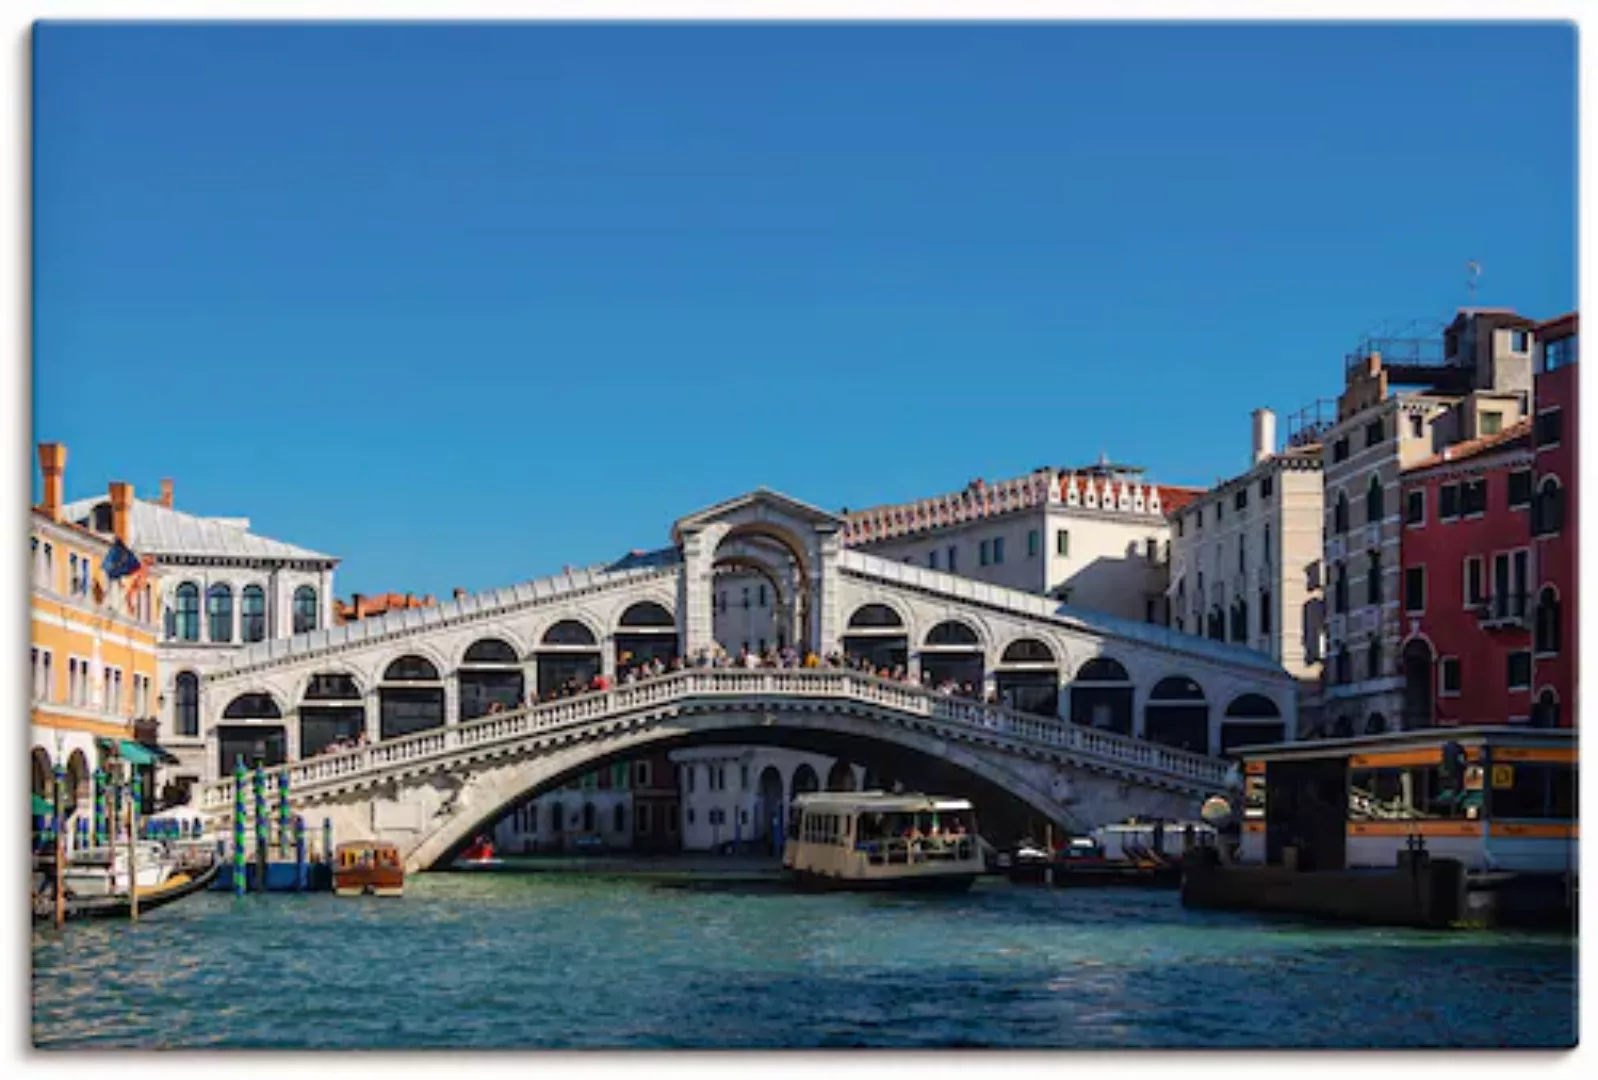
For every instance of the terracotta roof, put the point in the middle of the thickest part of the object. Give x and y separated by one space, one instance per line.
1501 440
366 607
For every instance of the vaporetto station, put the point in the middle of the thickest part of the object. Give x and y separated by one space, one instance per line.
1134 717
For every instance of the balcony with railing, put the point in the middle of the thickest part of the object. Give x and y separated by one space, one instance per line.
1415 355
1504 611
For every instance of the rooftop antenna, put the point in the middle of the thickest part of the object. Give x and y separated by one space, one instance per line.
1472 274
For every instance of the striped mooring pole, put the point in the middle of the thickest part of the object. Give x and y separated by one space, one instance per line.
263 826
239 779
101 819
285 816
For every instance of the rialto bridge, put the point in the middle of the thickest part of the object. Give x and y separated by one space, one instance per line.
1102 717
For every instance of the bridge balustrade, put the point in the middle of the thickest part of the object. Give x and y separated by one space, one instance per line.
994 721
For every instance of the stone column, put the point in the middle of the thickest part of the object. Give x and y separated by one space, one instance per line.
372 715
452 699
695 592
291 734
824 597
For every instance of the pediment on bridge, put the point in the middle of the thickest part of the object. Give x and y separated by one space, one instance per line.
761 506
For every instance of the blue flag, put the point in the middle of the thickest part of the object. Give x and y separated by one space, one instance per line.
120 562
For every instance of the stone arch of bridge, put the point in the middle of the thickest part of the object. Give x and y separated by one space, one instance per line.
777 540
489 789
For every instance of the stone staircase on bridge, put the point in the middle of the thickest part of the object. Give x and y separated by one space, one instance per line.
543 727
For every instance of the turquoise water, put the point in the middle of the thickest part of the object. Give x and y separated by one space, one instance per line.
563 960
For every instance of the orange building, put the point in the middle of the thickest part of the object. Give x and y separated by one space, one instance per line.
93 642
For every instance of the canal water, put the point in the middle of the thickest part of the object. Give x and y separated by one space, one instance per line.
565 960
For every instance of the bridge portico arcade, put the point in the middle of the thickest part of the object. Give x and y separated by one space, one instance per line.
435 673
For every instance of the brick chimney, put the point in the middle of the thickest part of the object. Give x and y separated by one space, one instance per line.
121 509
53 466
460 594
166 494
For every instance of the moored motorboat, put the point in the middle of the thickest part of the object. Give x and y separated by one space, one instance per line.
103 871
175 887
368 868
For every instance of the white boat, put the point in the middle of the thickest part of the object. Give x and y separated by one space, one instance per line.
872 840
103 871
1136 840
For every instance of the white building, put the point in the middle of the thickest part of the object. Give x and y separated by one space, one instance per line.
1095 538
1244 563
223 588
739 794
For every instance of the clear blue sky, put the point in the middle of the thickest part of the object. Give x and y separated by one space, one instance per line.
463 304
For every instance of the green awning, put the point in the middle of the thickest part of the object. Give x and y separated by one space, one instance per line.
130 751
42 806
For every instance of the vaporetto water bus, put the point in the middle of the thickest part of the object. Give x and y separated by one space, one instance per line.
1438 827
873 840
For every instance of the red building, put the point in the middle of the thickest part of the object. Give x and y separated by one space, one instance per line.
1466 592
1554 523
656 804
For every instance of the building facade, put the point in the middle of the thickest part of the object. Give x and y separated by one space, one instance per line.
95 665
739 795
1095 537
1475 380
1466 586
1244 555
1556 519
223 589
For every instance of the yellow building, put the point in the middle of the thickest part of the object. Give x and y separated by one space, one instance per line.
93 641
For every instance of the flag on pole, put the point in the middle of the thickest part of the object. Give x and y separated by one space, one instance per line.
136 582
119 562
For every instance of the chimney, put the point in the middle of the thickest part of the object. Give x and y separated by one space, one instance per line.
460 594
357 608
166 494
121 509
1264 434
53 465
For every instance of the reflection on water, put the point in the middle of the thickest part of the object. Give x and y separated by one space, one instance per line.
487 960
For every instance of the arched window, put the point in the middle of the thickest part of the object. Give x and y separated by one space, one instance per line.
219 613
187 618
186 705
952 633
1545 714
1548 510
1340 514
570 632
304 609
490 651
253 706
253 609
1375 724
1027 651
1103 669
875 615
1374 510
1547 624
1373 656
411 668
646 613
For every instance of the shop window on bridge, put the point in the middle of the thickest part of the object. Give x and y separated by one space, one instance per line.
1028 678
333 712
1251 720
1101 696
953 653
304 609
1177 715
490 675
645 632
876 633
567 653
407 703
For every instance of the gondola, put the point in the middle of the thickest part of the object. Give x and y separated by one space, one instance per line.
120 907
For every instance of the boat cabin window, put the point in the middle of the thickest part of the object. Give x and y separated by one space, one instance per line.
1412 793
904 826
1533 790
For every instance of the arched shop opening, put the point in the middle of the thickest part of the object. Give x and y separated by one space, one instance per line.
805 781
768 809
568 653
1251 720
410 698
1028 677
840 777
1101 696
645 632
490 674
877 634
333 710
953 652
252 731
1177 715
